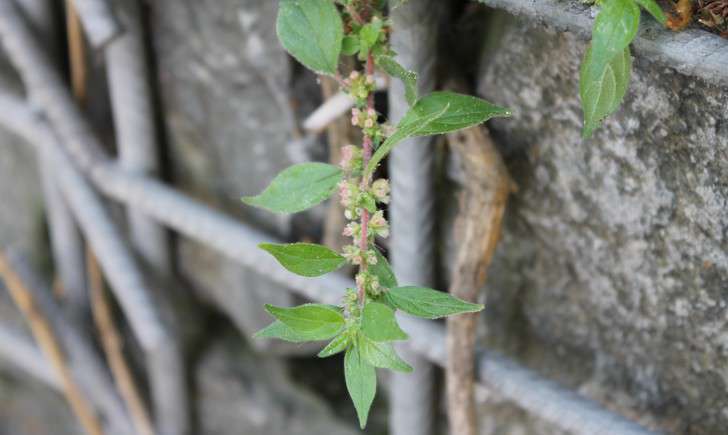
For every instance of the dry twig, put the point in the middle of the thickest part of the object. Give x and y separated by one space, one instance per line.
339 133
50 346
477 230
112 343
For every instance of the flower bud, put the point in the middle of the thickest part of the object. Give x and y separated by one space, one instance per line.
352 254
352 229
348 191
368 282
354 75
371 257
380 190
379 225
351 158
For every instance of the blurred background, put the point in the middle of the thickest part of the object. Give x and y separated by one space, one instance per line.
131 286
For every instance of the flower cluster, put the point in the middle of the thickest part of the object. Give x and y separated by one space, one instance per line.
351 159
368 281
359 86
355 200
351 305
359 257
367 121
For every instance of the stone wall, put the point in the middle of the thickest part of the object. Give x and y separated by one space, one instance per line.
612 275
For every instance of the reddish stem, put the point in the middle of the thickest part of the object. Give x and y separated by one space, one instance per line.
367 155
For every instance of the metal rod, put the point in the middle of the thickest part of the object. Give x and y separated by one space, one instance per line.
412 210
24 355
136 133
66 243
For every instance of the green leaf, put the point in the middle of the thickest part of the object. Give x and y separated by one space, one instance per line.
281 331
429 303
409 78
298 188
338 344
310 321
305 259
383 271
602 87
382 355
614 29
654 9
461 111
350 46
379 324
402 133
369 33
439 112
312 31
361 382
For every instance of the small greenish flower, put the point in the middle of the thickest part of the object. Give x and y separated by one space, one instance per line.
380 189
351 158
379 225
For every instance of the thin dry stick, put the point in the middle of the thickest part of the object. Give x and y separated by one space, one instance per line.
98 20
112 343
76 53
110 338
48 343
477 230
65 239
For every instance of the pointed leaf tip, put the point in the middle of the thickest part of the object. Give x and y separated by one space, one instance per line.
298 188
361 382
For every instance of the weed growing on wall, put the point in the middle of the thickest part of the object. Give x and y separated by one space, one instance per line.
363 326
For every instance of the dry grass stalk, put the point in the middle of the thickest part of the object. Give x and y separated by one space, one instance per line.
49 345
